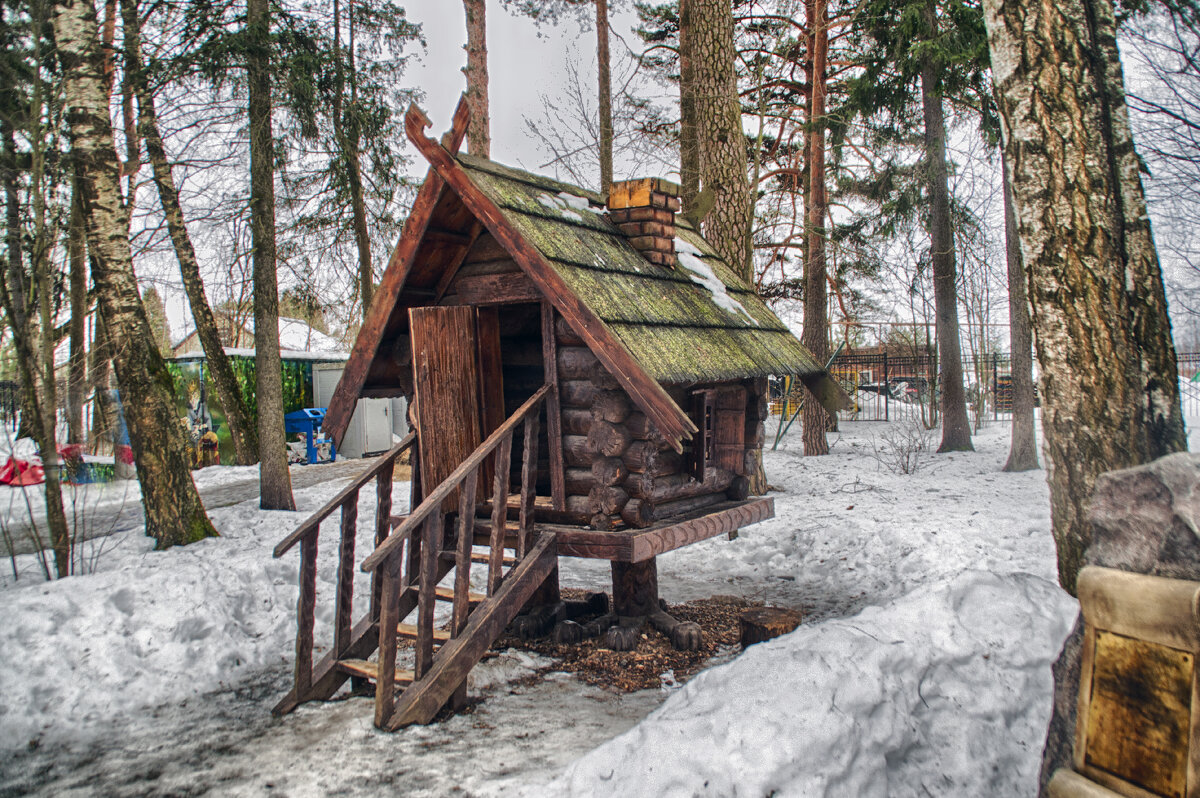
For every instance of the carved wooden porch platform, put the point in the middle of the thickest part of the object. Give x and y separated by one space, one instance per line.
639 545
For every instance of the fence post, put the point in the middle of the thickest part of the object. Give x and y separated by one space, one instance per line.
995 387
887 387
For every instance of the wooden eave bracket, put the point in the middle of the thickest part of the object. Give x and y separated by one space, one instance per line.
670 419
828 392
349 387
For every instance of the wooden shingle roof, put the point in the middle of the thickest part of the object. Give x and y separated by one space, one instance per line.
673 321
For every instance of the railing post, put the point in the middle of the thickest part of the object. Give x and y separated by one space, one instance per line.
529 455
462 559
306 614
430 546
345 584
383 524
499 513
385 686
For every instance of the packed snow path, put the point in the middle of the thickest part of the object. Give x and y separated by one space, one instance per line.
922 667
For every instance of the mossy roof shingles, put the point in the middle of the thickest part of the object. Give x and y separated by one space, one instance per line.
667 320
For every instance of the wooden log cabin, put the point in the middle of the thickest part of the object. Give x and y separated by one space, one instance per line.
632 360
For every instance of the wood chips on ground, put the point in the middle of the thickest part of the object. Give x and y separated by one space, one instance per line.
645 666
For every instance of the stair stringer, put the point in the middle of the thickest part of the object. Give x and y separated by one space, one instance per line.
421 701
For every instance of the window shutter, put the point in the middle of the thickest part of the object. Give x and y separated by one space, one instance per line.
729 429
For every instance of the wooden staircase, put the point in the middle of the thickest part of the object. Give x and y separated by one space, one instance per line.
413 554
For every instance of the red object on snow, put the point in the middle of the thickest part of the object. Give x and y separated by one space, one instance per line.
21 472
124 454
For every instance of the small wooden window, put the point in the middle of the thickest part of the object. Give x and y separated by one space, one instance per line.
720 417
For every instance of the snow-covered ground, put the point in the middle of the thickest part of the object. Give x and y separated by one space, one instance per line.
922 667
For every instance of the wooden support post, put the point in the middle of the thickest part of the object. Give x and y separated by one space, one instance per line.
306 614
635 587
345 585
529 455
389 612
462 560
499 513
383 522
558 492
430 546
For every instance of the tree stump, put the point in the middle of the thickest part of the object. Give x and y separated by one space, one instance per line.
763 623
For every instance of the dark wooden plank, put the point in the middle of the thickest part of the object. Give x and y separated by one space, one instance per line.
345 395
344 609
558 493
529 458
462 563
648 394
421 702
306 615
446 369
387 460
389 618
441 492
491 383
577 542
499 513
430 546
492 289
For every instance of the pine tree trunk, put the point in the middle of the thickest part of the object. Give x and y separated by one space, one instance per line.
275 481
689 136
604 70
77 332
479 137
241 428
1022 452
174 512
956 428
1109 385
815 334
723 156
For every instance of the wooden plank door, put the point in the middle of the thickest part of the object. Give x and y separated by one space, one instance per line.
446 378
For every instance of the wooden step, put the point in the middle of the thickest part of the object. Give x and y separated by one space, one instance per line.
370 670
478 556
447 594
409 632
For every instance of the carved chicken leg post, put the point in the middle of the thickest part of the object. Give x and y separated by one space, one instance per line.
635 603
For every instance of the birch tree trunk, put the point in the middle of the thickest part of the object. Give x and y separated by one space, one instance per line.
722 143
1109 384
174 512
274 479
241 429
956 428
479 137
1022 452
815 333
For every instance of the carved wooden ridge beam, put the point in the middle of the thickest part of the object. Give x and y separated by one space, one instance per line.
349 387
670 419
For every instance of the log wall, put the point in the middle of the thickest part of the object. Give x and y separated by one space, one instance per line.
618 468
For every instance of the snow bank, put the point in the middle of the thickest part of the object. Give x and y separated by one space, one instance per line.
943 692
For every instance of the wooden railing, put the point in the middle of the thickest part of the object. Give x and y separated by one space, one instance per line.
306 535
425 561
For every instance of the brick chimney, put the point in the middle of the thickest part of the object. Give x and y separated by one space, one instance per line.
644 210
